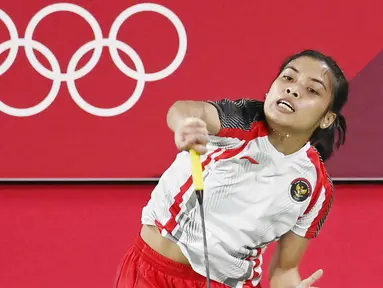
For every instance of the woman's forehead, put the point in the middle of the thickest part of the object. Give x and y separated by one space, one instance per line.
312 68
310 65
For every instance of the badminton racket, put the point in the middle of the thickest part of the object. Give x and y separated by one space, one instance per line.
199 187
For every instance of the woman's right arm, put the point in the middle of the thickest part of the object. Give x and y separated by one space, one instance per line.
205 111
193 121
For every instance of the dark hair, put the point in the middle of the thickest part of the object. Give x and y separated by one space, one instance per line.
325 140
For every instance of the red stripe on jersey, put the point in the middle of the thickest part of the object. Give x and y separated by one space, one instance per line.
322 181
159 225
229 153
176 206
258 129
250 159
257 263
249 283
258 252
313 156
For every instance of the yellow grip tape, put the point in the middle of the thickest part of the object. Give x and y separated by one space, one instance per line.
196 170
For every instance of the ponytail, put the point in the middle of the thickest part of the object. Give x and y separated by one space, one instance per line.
325 140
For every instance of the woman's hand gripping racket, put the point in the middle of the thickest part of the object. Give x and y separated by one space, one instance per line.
198 186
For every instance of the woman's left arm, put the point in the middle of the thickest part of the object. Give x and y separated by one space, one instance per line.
292 246
285 262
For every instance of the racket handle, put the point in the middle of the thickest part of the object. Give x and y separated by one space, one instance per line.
196 170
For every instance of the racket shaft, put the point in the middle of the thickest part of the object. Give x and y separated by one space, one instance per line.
199 197
199 186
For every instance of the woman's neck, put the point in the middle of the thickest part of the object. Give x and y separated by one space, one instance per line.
287 142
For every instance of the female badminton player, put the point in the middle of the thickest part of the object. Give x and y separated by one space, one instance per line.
265 181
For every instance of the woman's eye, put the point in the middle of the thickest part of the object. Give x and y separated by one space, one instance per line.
288 78
313 91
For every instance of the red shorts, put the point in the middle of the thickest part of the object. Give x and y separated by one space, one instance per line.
143 267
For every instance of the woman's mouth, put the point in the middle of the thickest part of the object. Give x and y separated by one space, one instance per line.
285 106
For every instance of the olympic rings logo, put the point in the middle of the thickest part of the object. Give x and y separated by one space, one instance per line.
71 74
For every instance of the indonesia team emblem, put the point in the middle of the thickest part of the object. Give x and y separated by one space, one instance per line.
300 190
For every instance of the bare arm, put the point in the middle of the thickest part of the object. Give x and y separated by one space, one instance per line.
204 111
284 271
284 264
193 121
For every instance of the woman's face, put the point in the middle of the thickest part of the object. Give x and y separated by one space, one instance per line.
299 98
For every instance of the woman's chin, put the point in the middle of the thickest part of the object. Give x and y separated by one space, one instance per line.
277 121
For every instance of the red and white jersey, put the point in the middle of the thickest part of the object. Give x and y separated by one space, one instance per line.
253 195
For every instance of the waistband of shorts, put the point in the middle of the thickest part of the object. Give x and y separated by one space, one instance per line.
164 264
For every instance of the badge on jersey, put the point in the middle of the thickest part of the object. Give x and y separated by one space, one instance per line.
300 190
